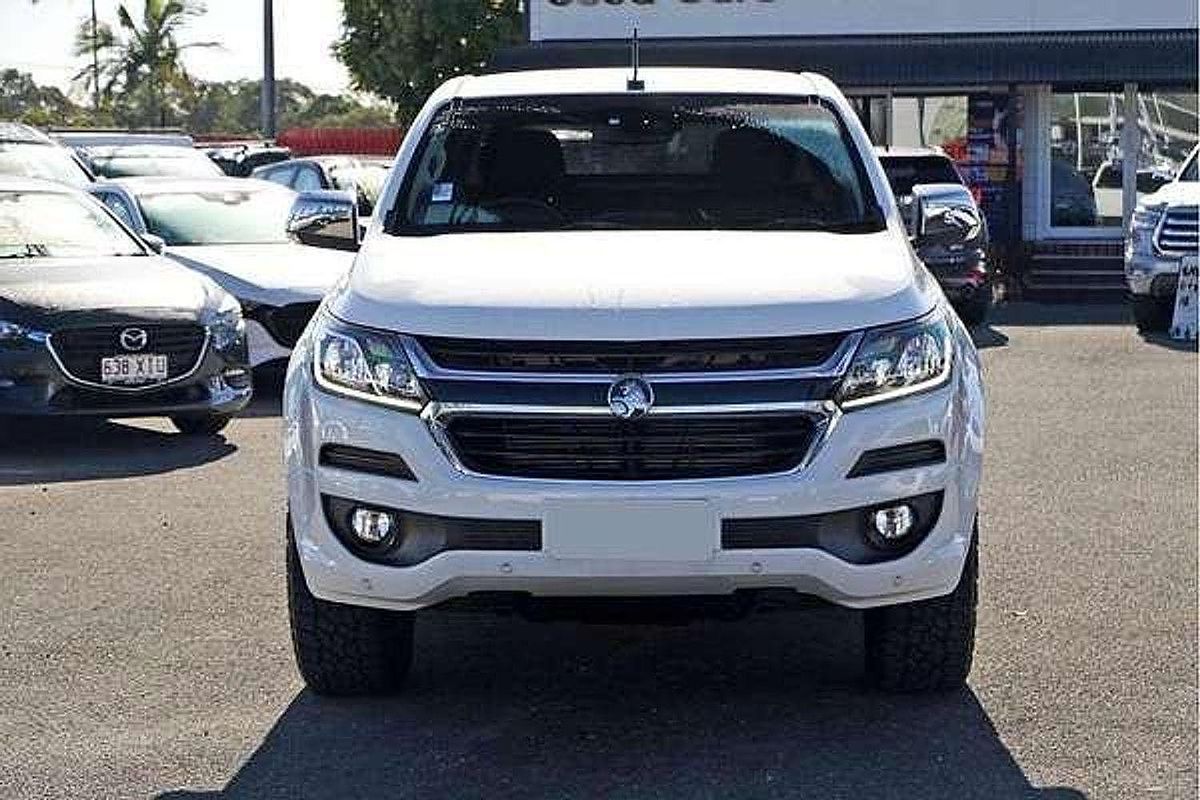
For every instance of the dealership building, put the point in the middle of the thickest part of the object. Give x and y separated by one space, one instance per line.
1031 98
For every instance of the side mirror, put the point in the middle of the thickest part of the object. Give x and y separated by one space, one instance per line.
326 219
155 243
943 215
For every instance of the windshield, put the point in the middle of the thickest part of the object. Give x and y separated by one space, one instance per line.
231 216
644 162
905 173
176 162
1188 173
45 161
50 224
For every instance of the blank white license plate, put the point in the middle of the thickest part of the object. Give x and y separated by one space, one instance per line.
133 369
634 530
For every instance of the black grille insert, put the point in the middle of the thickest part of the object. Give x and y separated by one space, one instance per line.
605 358
904 456
372 462
603 448
80 349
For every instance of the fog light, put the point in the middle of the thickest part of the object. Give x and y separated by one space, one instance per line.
371 527
893 523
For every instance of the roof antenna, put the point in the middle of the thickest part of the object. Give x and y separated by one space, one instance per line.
635 84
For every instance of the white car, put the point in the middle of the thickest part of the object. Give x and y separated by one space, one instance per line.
1165 228
235 231
663 348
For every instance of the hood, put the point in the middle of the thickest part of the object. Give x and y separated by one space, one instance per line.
1177 193
629 285
48 288
274 274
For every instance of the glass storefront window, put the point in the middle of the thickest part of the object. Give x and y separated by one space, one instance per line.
1169 134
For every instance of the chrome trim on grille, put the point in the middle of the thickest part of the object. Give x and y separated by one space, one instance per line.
833 367
1178 231
130 389
825 415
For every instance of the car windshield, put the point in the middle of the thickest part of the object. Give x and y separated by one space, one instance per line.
228 216
178 162
1188 173
40 224
45 161
905 173
639 162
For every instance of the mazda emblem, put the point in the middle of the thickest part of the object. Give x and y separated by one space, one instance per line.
134 339
630 398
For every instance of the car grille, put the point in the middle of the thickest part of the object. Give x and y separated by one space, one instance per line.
287 323
614 358
1179 234
654 448
80 349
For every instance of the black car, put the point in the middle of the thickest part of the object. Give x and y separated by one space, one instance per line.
94 322
960 264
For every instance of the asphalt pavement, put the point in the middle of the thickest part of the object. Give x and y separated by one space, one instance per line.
144 647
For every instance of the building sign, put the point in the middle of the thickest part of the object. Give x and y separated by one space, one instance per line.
615 19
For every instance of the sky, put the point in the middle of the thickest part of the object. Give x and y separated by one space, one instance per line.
39 39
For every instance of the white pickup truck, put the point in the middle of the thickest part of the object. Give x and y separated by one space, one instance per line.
661 345
1166 227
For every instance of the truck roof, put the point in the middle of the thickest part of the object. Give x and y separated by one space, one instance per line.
658 80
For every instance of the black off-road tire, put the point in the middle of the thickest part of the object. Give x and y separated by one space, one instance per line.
201 424
343 650
1151 314
926 646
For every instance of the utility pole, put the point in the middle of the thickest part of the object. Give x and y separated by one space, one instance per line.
95 58
267 116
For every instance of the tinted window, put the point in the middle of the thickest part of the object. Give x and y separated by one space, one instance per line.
636 162
48 224
232 216
281 175
905 173
45 161
1188 173
307 179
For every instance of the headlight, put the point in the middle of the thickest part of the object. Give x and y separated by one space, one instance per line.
898 361
1141 231
364 363
226 326
12 332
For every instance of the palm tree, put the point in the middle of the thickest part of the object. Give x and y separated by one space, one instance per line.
141 61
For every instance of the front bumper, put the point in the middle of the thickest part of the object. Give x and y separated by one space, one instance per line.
952 414
33 384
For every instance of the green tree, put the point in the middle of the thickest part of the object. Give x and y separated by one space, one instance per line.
403 49
141 67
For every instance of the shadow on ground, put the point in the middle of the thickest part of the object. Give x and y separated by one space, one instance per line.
63 450
1021 313
770 707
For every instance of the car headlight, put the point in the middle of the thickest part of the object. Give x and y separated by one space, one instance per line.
1141 230
364 363
898 361
12 332
226 327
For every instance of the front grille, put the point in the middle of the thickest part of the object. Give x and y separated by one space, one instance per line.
614 358
654 448
80 349
287 323
1179 234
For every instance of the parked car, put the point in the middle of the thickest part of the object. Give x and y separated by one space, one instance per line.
1107 186
83 138
240 159
1165 228
149 159
26 152
94 322
664 344
362 176
235 231
960 263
